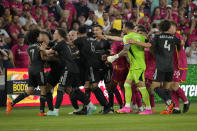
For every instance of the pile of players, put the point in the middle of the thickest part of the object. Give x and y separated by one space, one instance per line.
139 64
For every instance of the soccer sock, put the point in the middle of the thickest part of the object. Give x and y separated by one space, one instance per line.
128 94
42 103
59 99
123 93
100 97
145 97
152 100
19 98
181 94
138 99
175 98
118 97
160 92
111 98
50 101
88 92
74 102
168 95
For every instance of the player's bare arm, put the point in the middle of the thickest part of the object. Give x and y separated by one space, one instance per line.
146 45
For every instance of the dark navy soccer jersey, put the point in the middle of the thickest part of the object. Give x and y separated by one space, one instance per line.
36 62
92 50
65 55
164 45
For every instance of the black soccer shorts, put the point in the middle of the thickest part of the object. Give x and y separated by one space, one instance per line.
36 79
69 79
161 76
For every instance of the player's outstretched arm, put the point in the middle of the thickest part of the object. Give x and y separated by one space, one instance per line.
146 45
115 38
122 53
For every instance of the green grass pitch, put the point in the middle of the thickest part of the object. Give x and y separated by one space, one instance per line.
26 119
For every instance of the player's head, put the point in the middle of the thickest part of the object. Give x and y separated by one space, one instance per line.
164 26
82 30
97 30
72 35
32 36
173 28
141 29
44 37
59 34
128 26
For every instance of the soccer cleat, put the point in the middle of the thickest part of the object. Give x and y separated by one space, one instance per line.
186 107
146 112
131 110
41 114
52 113
171 107
9 108
124 110
91 110
175 111
83 111
106 110
71 113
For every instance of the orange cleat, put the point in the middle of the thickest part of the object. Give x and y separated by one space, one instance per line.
164 112
171 107
9 108
154 111
41 114
131 110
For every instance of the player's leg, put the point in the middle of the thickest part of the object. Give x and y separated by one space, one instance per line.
42 100
10 105
128 93
138 76
31 84
152 100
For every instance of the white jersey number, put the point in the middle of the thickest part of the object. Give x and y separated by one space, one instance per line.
166 45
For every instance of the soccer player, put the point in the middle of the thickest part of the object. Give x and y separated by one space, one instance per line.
180 66
69 80
35 71
120 71
135 52
163 45
94 52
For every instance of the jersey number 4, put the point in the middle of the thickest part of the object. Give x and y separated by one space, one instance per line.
166 45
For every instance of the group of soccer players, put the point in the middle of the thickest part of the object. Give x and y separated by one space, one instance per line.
138 64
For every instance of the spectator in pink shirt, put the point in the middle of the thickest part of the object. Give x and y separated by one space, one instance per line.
72 11
20 54
175 10
5 3
146 21
64 17
37 5
38 14
54 24
15 29
16 6
162 7
156 15
169 13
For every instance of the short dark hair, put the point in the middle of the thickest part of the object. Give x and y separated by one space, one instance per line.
164 25
47 34
62 32
141 28
129 25
96 25
82 30
32 36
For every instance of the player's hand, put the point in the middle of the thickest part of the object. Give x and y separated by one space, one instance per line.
131 41
111 59
104 57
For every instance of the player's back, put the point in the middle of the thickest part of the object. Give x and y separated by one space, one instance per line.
36 63
164 45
